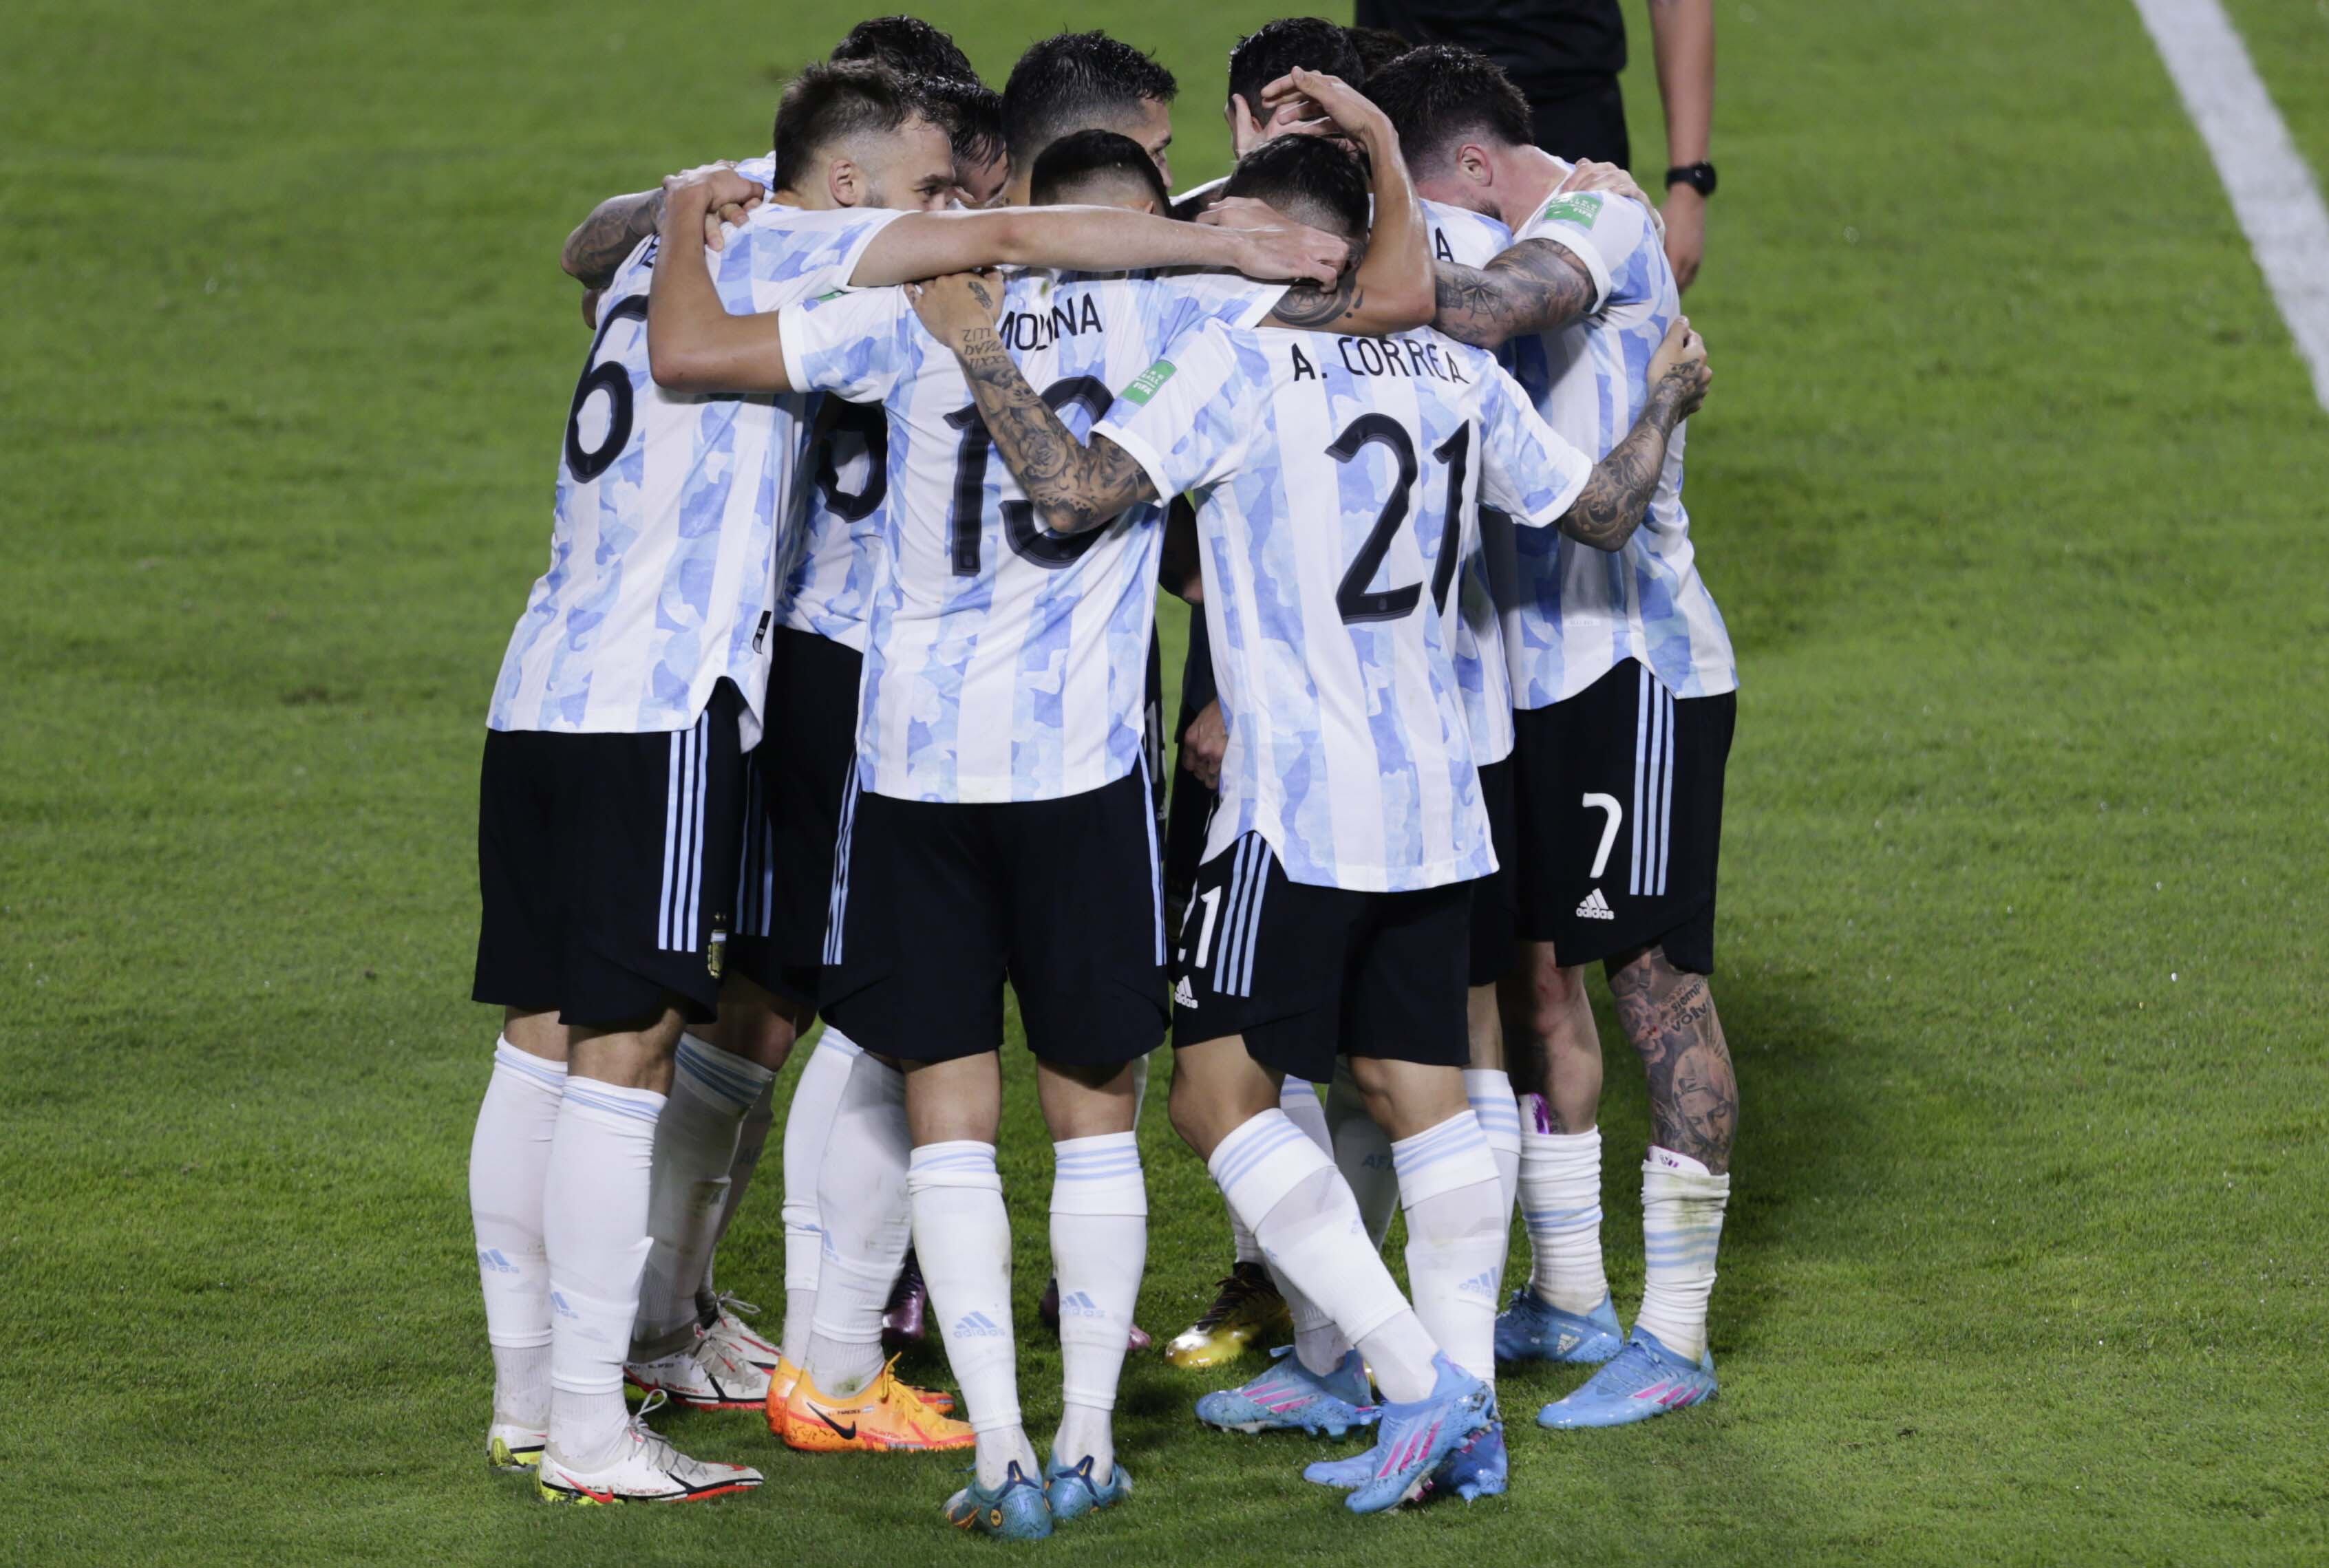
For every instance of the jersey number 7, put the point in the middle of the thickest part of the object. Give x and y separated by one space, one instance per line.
1354 598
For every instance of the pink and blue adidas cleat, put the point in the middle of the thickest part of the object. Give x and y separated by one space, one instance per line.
1476 1468
1290 1397
1415 1440
1534 1330
1646 1379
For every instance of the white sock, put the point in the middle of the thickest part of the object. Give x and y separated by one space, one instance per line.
1248 1251
594 1225
1490 1091
1284 1188
1681 1226
1139 1089
1100 1249
695 1148
1362 1151
1560 1205
1299 1098
962 1234
1456 1235
806 1123
1319 1343
751 1140
509 1155
861 1197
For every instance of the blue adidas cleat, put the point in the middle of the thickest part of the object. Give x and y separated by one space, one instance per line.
1290 1397
1415 1440
1016 1510
1477 1469
1646 1379
1531 1330
1073 1493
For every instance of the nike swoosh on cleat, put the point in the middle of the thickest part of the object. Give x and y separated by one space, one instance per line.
849 1432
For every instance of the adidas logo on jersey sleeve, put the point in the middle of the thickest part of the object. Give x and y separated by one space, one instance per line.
1596 908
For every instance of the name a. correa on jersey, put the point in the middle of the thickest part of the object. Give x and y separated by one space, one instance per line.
1032 329
1404 357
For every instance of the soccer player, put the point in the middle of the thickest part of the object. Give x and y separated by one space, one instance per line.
1081 81
998 826
1335 479
1098 168
1624 679
611 806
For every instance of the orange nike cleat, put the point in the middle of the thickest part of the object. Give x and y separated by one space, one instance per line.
885 1416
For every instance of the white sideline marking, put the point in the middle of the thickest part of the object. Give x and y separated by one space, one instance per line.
2272 189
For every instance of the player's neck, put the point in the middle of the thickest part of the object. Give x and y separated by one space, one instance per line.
1533 175
812 202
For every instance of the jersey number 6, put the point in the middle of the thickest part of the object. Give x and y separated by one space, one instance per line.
614 380
1354 598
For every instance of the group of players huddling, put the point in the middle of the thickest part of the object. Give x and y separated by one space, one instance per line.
838 700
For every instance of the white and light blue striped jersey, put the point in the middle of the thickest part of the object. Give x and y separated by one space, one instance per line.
1572 613
822 570
662 551
1002 661
1472 238
1336 482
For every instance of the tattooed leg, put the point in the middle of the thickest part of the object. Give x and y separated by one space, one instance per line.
1551 1048
1669 1015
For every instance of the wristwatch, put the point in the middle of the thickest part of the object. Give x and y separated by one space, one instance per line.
1699 178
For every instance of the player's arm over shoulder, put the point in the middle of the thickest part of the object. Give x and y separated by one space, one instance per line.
1537 286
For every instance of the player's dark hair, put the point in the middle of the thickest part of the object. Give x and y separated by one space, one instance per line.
1275 47
826 104
1377 47
1309 179
1440 96
1074 162
969 112
907 45
1072 81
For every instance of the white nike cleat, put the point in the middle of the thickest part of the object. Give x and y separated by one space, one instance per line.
706 1375
644 1467
730 1331
513 1446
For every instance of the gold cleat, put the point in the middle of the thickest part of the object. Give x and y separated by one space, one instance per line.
1247 1315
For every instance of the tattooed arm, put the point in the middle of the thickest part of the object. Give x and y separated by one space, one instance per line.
616 226
1536 287
1389 289
1610 506
1074 487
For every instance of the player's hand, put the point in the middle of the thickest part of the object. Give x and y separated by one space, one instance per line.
1614 178
1273 247
717 192
1203 746
1350 110
1680 361
1685 221
958 303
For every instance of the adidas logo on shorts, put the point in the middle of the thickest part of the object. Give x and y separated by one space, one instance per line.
1596 908
1184 995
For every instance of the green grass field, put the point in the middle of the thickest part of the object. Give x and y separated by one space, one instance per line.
2012 488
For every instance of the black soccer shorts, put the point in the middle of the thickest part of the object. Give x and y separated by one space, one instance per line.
1495 904
607 868
1305 973
934 905
796 780
1620 795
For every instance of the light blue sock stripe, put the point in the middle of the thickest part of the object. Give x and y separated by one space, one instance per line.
549 1074
611 1104
1266 1142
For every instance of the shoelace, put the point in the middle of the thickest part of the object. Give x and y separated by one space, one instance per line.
730 1301
658 1450
1235 1289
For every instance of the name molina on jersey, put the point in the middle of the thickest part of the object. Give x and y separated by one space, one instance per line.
1034 330
1404 357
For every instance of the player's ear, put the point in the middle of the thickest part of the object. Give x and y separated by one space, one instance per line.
1475 163
845 182
1240 121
